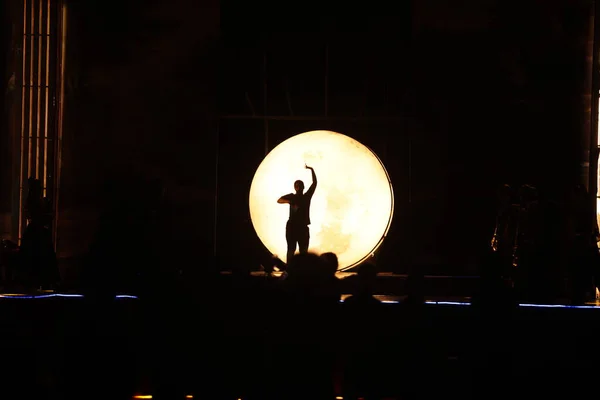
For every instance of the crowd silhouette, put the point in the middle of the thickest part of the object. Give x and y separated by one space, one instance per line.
306 334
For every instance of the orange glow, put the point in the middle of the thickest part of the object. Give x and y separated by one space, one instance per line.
149 396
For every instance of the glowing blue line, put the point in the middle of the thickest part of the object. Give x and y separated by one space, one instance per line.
61 295
464 303
544 305
449 303
47 296
439 303
555 306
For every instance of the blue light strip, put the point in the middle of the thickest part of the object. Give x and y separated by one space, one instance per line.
61 295
466 303
555 306
437 303
449 303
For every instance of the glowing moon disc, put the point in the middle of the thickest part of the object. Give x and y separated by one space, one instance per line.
351 209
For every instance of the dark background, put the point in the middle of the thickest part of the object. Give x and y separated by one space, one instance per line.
482 92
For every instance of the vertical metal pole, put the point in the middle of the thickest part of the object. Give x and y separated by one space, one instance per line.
266 121
587 148
410 169
595 72
17 132
216 209
410 253
62 52
326 79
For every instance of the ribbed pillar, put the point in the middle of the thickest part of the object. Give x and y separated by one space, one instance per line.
38 77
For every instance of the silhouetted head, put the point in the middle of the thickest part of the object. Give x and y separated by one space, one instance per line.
306 268
308 278
331 262
364 280
35 187
367 271
299 186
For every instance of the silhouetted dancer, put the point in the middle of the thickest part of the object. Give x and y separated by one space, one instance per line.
38 258
296 230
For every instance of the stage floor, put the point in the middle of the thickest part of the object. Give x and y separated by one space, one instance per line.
386 299
344 275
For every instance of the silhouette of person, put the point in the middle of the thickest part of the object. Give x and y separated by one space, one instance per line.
37 254
296 231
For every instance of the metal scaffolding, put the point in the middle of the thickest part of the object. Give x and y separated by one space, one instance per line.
291 117
40 77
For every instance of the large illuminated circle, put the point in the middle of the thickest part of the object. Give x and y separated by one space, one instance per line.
351 209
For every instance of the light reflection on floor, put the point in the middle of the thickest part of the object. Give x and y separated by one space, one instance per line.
142 396
466 301
147 396
47 295
386 299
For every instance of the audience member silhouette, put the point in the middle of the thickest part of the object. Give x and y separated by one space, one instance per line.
104 271
362 310
583 251
330 262
296 231
364 287
306 321
526 244
38 258
503 238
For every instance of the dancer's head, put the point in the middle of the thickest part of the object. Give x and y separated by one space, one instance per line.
299 186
